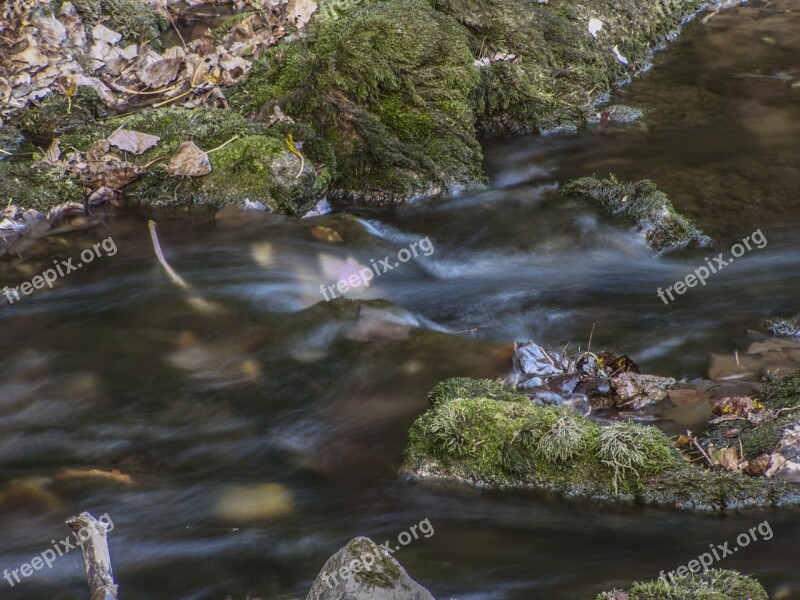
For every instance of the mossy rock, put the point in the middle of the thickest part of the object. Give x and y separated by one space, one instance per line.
507 443
714 584
500 443
643 205
389 87
559 67
248 160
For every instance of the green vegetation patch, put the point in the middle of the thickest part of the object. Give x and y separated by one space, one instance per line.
389 88
714 584
643 205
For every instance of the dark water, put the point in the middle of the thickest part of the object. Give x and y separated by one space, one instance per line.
305 405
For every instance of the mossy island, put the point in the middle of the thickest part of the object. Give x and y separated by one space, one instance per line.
482 433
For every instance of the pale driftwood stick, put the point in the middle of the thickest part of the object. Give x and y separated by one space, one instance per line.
91 535
195 299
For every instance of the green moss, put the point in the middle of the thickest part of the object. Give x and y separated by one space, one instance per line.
520 443
383 574
469 437
643 205
248 160
560 68
46 119
782 392
388 87
41 188
714 584
137 22
464 387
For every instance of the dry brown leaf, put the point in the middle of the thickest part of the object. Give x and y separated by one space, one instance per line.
133 141
728 459
189 161
114 475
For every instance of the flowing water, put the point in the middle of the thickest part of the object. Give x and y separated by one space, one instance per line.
304 405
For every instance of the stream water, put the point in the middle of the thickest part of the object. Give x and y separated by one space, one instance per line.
300 407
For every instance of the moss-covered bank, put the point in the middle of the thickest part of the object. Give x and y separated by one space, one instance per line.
484 434
714 584
399 88
387 97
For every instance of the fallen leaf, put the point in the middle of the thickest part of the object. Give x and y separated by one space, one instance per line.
326 234
133 141
189 161
113 475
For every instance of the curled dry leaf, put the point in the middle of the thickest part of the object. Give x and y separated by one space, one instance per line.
133 141
189 161
113 475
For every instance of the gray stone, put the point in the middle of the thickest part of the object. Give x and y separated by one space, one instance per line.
378 576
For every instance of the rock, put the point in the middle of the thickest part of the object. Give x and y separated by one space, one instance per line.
635 390
362 570
644 206
789 327
501 442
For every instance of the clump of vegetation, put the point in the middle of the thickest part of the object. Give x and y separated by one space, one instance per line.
45 119
464 387
389 88
501 442
643 205
714 584
248 159
633 450
39 187
565 439
782 392
504 441
136 21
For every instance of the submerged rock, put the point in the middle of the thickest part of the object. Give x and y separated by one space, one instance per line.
470 437
714 584
643 205
362 570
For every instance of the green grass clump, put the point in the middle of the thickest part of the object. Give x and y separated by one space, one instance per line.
632 450
464 387
503 442
714 584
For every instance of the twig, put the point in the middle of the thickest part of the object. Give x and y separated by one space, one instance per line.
233 139
591 333
699 447
91 535
195 299
175 27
